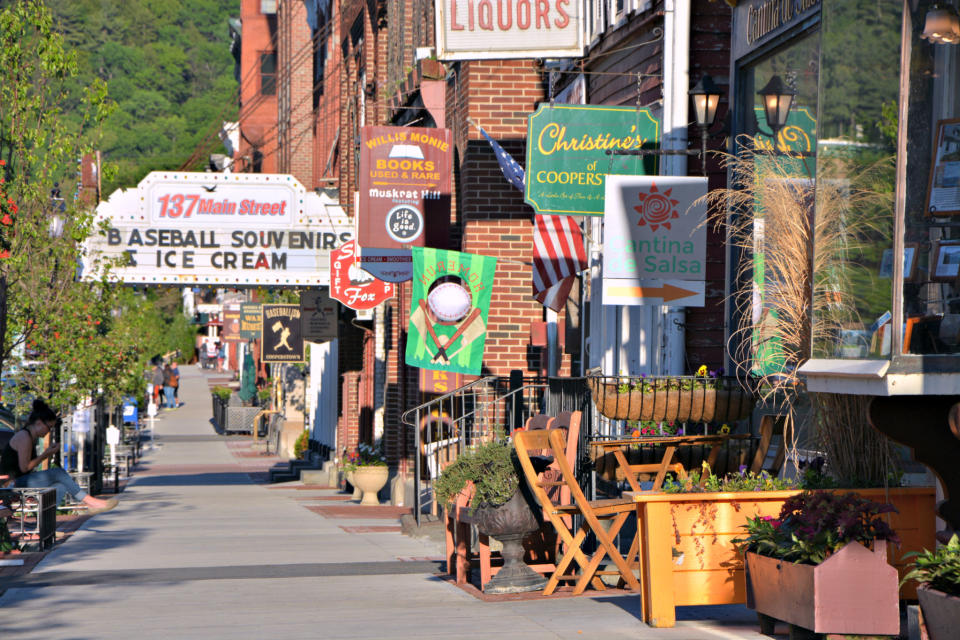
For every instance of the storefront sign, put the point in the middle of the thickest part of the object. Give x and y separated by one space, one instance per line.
757 21
389 265
282 339
433 381
353 286
251 320
449 308
404 184
215 228
567 154
481 29
319 314
655 240
231 322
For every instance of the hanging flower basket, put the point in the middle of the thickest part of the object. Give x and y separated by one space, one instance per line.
671 398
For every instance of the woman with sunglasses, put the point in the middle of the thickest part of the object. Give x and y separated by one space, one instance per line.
19 460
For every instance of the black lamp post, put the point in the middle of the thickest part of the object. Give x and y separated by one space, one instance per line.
706 98
777 99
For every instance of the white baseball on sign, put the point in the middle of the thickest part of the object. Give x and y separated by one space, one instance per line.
449 301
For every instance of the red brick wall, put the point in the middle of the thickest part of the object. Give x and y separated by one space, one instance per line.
295 92
258 113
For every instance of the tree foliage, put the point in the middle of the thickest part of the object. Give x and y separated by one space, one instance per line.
169 69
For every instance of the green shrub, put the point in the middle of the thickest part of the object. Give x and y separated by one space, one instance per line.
302 445
494 470
223 393
939 569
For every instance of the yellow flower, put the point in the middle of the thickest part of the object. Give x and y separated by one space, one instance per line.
702 371
725 428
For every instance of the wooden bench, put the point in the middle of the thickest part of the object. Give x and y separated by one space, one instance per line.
540 547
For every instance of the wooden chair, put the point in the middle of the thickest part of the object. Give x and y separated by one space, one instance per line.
592 512
771 425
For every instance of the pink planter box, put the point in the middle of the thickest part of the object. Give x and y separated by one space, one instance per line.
854 591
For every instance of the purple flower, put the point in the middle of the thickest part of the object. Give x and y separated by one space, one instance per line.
743 469
680 431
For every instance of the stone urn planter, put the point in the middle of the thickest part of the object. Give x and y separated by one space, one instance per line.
671 399
370 479
941 613
510 523
854 591
357 494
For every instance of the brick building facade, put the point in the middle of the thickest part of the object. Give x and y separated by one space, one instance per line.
370 64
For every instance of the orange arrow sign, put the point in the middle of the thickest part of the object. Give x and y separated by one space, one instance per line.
667 292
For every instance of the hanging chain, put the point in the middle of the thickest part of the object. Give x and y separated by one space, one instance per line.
639 81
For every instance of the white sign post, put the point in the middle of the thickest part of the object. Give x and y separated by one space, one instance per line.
215 228
113 439
655 240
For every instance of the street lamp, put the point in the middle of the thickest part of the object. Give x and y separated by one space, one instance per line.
706 97
942 25
777 99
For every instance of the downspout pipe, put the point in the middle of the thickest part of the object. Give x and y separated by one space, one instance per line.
676 118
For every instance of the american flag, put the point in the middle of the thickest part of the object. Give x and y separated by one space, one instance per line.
558 251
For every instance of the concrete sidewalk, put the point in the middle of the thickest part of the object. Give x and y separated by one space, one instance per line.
197 548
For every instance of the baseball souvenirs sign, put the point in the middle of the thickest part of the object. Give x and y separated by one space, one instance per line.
449 310
282 339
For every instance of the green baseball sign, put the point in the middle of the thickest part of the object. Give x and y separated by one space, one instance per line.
449 310
567 154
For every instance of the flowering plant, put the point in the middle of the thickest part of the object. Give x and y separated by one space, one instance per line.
703 379
815 524
8 209
365 455
704 481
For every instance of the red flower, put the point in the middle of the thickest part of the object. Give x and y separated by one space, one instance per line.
3 163
4 254
7 220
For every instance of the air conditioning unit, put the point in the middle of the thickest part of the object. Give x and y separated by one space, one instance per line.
365 314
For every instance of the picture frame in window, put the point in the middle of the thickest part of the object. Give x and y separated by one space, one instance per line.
943 187
946 263
910 251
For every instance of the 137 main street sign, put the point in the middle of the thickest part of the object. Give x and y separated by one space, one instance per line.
567 154
216 228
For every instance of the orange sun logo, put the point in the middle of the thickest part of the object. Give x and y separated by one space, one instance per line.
656 209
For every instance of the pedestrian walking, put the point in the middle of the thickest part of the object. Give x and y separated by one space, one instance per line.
175 383
168 400
221 355
18 460
156 379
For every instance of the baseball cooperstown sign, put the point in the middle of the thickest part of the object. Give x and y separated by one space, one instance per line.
216 228
480 29
282 338
449 310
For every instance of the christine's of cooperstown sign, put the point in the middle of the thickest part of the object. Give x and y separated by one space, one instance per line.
218 228
567 154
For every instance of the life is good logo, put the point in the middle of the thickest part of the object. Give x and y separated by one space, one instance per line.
656 209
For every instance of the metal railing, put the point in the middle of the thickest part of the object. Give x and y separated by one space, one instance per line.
477 412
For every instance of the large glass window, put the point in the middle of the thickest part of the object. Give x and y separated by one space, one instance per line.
856 178
775 166
931 272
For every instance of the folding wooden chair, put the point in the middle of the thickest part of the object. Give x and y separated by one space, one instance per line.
592 512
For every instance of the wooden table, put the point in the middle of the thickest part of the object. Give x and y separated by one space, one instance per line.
671 444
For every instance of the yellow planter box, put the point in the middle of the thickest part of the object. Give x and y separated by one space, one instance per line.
687 557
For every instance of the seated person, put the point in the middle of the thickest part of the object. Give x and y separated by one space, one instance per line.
18 460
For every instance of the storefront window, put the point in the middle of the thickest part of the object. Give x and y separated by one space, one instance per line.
931 273
777 163
855 178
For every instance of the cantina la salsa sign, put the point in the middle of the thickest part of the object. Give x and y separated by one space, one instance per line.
215 228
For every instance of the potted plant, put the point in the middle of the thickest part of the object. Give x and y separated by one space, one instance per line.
366 467
705 397
938 573
822 565
501 506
